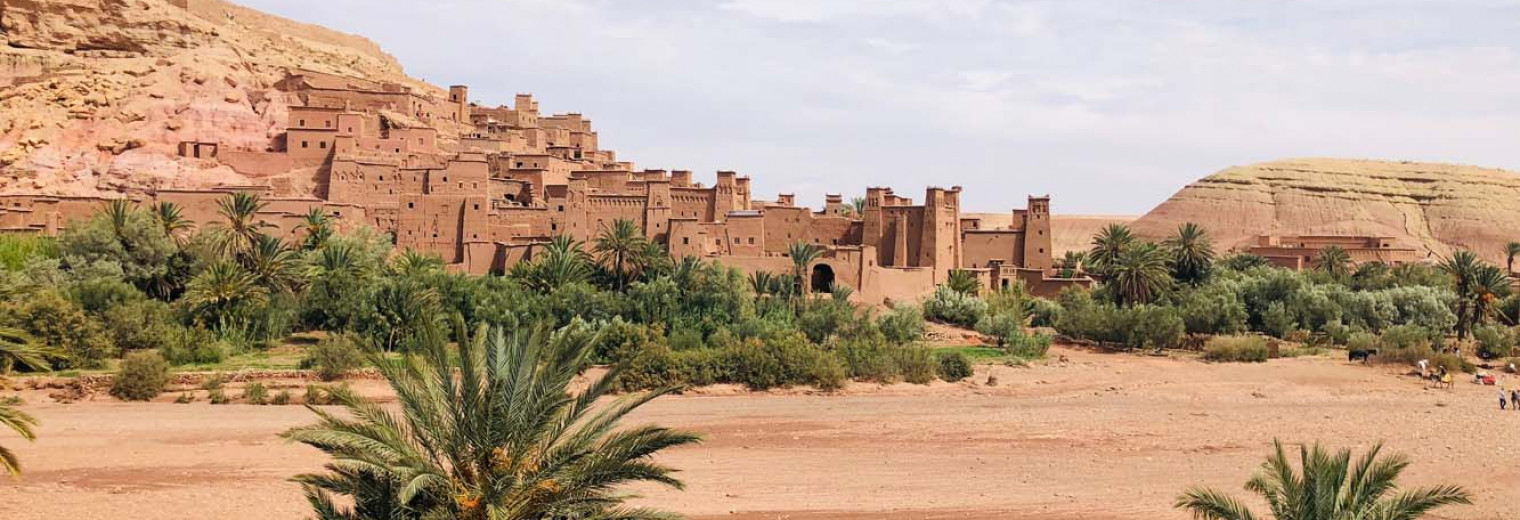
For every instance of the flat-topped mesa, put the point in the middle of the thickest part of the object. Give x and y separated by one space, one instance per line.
1433 208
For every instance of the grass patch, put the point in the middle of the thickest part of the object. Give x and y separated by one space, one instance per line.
986 355
1236 349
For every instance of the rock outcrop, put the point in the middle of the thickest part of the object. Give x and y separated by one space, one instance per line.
97 94
1437 207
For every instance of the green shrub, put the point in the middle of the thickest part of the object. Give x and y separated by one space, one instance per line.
1003 328
60 323
314 396
1495 341
916 364
1030 346
218 396
214 382
955 308
140 325
142 377
954 366
255 393
1362 342
1410 337
194 346
281 398
333 357
903 324
184 398
1043 312
783 361
1236 349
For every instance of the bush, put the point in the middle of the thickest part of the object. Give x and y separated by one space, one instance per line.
184 398
1411 337
1362 342
1043 312
917 364
1030 346
214 382
60 323
217 396
314 396
142 377
1236 349
949 306
1495 341
255 393
333 357
281 399
140 325
954 366
902 325
194 346
782 361
1003 328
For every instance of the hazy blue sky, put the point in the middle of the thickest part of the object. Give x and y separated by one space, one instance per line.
1110 106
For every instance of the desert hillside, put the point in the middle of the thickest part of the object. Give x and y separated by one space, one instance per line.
98 93
1437 207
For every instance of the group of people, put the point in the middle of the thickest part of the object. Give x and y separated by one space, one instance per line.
1514 399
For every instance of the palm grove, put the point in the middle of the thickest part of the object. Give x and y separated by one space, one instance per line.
506 438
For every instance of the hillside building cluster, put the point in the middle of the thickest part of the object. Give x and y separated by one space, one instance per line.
486 187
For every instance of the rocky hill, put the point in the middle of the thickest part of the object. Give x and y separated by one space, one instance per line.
97 94
1438 207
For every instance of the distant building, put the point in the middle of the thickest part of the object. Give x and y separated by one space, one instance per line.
1298 252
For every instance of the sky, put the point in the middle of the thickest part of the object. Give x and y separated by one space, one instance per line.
1109 106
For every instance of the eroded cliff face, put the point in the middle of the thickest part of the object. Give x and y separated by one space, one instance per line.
97 94
1438 207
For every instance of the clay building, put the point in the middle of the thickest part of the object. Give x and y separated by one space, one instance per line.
485 187
1298 252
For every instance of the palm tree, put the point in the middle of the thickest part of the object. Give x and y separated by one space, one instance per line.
217 293
562 262
963 281
1511 250
505 438
171 219
336 264
617 248
21 423
17 348
1073 261
1463 267
1327 487
803 255
1333 261
1489 285
1107 245
240 227
1192 253
316 228
119 212
858 207
273 265
411 263
1140 274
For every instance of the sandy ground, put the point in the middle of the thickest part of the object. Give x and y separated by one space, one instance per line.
1100 436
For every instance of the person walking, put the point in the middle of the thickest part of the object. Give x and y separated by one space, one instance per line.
1502 396
1514 398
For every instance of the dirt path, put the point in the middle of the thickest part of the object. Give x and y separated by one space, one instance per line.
1099 437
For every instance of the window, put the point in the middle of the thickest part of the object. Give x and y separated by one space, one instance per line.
553 227
561 207
736 240
477 207
304 144
751 240
685 241
411 205
322 145
327 124
301 123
